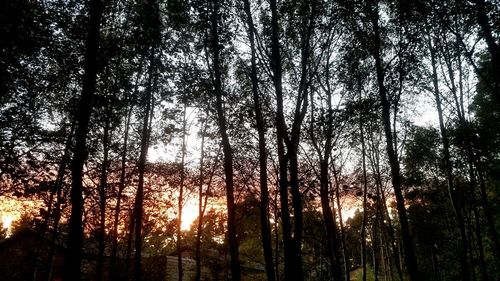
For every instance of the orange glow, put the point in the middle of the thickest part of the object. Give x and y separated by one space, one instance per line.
12 209
7 220
350 204
189 214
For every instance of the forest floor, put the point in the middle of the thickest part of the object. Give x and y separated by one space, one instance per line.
357 274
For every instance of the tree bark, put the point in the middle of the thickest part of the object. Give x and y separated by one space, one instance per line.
199 230
375 163
474 162
264 190
464 267
103 182
121 187
226 146
181 194
73 256
375 244
288 159
281 137
139 198
365 193
59 185
409 254
330 224
347 267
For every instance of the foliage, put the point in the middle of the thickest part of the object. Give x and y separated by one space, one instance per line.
353 76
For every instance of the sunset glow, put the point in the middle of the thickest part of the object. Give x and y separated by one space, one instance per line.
7 220
189 214
12 210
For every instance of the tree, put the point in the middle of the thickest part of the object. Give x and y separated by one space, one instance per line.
464 268
375 49
264 190
493 47
75 238
226 145
329 122
288 136
310 106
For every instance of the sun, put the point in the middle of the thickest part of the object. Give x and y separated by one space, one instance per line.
7 221
189 214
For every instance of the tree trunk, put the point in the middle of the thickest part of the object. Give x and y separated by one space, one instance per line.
464 267
324 151
409 254
375 163
347 267
200 203
375 244
59 185
475 163
365 193
73 256
226 147
288 160
307 10
330 223
281 136
121 187
181 194
203 199
139 198
103 182
264 191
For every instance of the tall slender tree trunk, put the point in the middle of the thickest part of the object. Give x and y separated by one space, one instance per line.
307 10
59 185
330 223
375 238
73 256
121 187
139 198
375 163
181 194
103 182
199 230
276 238
409 254
464 267
203 196
281 137
474 162
130 240
324 152
345 257
51 212
288 159
226 146
264 190
388 261
365 199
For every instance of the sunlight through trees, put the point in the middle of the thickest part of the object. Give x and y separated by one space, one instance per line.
250 140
